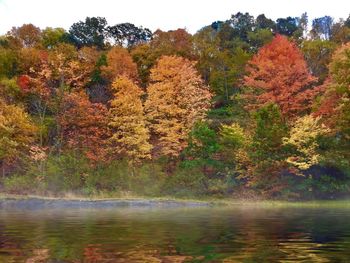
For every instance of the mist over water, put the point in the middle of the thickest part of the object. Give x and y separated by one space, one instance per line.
175 234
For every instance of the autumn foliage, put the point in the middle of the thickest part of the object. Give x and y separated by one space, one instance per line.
235 108
177 98
119 63
279 74
17 132
84 126
129 134
337 86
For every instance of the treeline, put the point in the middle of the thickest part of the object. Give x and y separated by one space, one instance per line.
247 107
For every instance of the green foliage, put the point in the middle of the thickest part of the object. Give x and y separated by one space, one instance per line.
19 184
202 143
287 26
259 38
186 182
318 55
233 136
96 76
91 32
66 172
8 62
270 129
9 90
127 34
51 37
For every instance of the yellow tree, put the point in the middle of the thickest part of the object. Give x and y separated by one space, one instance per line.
17 132
302 138
130 135
177 98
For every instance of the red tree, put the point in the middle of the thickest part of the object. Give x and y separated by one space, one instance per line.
84 126
279 74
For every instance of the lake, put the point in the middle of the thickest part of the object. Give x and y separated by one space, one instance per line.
175 234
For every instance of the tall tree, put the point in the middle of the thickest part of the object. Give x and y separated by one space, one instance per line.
318 54
335 107
222 69
242 24
51 37
279 74
303 23
287 26
322 27
28 34
177 98
337 87
129 35
130 136
266 152
92 32
262 22
174 42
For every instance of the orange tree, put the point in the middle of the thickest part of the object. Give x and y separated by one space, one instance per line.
177 98
278 74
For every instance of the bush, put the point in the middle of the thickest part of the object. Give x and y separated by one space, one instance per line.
186 182
19 184
66 172
111 177
148 179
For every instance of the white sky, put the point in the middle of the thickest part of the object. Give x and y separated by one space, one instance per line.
154 14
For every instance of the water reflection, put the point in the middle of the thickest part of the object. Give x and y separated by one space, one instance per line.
175 235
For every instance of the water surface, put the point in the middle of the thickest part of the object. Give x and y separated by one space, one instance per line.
175 234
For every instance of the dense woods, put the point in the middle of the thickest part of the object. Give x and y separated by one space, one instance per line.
246 108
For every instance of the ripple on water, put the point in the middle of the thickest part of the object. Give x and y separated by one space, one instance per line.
177 234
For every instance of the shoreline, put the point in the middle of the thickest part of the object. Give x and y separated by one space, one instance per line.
33 201
36 201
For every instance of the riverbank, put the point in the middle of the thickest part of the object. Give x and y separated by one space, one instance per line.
35 201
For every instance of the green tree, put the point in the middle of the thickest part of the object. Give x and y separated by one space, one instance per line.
202 145
267 153
51 37
287 26
8 63
91 32
318 54
129 35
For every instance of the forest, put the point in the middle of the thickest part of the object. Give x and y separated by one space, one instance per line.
246 107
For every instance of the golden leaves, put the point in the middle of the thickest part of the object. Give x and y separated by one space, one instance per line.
127 123
177 98
17 131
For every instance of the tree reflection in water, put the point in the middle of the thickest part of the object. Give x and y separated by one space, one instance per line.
175 235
